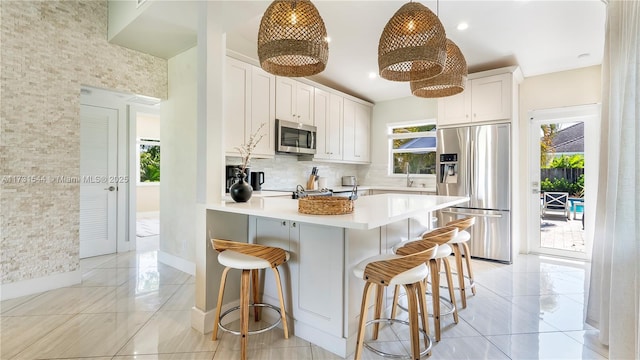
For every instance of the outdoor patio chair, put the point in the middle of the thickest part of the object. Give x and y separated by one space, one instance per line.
556 202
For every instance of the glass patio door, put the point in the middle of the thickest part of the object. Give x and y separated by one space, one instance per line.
559 180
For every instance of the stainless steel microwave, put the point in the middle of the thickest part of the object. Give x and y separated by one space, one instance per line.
295 138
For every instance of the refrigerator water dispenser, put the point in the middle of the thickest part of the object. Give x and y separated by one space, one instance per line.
448 169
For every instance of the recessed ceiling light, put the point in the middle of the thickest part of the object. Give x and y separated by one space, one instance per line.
373 75
463 26
584 55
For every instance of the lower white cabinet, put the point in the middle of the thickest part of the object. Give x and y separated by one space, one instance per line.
312 247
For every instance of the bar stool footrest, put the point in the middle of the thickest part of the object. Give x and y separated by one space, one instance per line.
445 304
251 332
469 285
397 356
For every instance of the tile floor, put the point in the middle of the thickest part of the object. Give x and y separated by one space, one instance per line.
129 306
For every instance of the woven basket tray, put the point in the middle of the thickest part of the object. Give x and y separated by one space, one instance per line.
324 205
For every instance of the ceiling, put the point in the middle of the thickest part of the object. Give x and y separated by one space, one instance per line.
540 36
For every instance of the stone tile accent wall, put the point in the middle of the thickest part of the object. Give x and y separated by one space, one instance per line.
48 50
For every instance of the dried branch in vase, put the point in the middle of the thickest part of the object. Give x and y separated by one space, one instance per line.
246 150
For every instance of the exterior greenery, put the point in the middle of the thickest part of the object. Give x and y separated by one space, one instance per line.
547 150
574 188
570 181
149 163
420 160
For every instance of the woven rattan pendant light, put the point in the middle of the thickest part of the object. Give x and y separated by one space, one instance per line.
450 82
292 40
412 45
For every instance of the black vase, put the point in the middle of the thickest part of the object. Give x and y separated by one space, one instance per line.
241 191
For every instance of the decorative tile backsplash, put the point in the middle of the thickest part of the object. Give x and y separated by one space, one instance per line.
285 171
49 49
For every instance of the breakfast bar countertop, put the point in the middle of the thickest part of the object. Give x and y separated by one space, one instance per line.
369 211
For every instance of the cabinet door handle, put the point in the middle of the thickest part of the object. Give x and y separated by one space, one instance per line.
284 223
293 224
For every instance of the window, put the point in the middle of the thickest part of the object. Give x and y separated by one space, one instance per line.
149 160
412 145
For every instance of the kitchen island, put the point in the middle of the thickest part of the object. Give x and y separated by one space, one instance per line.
322 296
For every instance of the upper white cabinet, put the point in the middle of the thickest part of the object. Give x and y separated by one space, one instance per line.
327 116
357 132
486 98
253 97
491 98
249 99
294 101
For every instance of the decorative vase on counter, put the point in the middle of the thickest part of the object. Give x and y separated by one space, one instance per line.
241 191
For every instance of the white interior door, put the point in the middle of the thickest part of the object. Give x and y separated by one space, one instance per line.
98 185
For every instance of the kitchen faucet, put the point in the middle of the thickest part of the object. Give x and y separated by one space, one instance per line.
409 181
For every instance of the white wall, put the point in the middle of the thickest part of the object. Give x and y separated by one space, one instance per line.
393 111
121 14
556 90
178 183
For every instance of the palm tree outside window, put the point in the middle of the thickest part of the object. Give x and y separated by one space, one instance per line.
149 160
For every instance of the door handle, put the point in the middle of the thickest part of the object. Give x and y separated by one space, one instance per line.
111 188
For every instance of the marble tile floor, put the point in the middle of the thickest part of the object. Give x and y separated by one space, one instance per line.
129 306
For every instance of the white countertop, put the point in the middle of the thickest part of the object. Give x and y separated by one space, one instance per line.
369 211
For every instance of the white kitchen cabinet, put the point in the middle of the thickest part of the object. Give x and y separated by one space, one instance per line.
249 98
294 101
311 247
357 132
485 98
327 118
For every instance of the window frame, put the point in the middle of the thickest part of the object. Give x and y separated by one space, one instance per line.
391 136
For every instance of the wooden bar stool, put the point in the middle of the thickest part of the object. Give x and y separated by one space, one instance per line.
440 237
459 245
249 258
396 270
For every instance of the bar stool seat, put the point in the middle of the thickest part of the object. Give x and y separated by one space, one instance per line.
396 270
236 260
249 258
407 277
463 236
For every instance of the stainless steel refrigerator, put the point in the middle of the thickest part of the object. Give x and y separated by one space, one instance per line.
475 161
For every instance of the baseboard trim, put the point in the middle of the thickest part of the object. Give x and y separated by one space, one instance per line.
33 286
203 321
179 263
